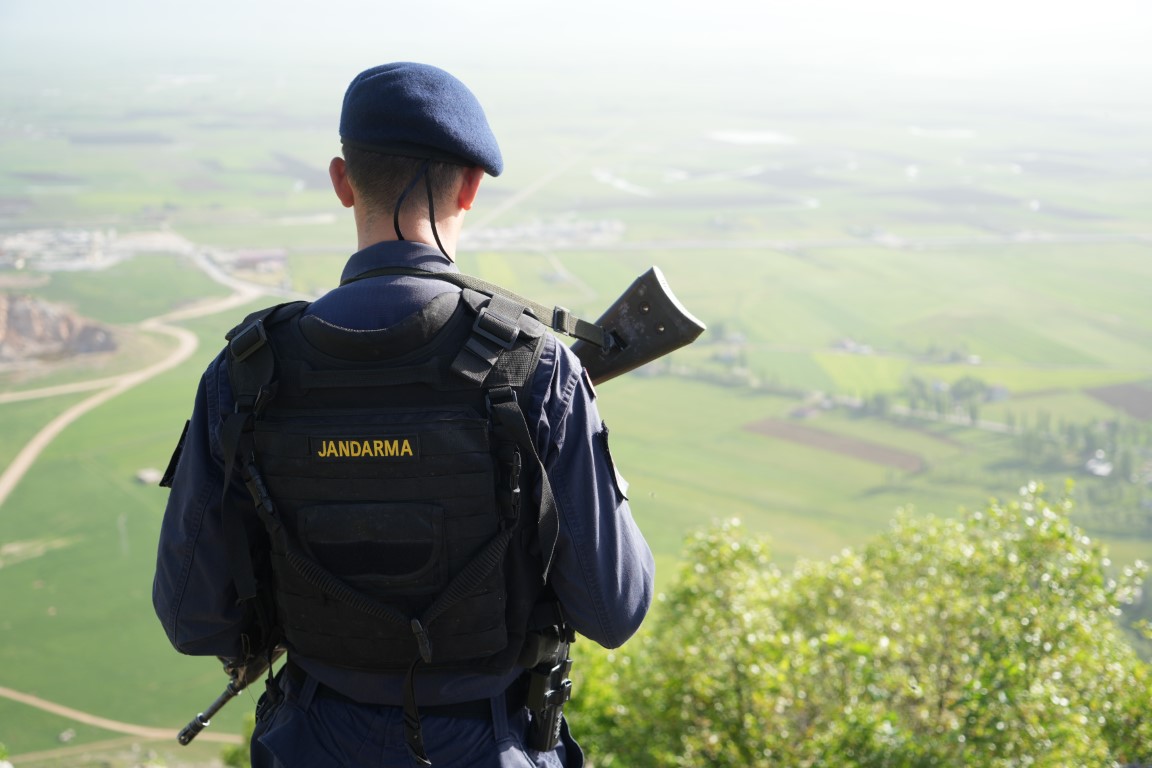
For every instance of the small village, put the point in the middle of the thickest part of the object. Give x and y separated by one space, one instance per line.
72 250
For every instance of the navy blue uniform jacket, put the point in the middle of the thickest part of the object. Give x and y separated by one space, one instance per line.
602 571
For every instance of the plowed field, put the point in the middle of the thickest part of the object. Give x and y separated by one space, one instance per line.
830 441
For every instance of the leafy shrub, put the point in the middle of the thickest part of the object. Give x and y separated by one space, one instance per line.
990 640
238 756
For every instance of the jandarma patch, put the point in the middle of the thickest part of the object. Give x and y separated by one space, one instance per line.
391 447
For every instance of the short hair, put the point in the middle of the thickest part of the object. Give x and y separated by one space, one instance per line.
381 179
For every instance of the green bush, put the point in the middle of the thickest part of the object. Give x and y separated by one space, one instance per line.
238 756
990 640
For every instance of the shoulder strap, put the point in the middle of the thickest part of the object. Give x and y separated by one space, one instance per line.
498 326
251 365
251 369
508 420
500 320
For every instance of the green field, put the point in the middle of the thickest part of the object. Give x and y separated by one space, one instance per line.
786 251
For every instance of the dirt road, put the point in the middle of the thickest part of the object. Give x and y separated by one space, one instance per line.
115 726
186 344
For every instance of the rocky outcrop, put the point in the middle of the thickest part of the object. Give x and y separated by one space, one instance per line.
34 329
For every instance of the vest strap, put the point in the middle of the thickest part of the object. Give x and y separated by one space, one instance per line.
495 331
251 369
413 735
508 419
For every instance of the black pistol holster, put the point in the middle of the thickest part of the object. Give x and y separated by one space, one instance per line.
548 686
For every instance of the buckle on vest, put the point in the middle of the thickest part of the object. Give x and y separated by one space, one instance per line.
560 319
422 641
248 340
496 328
498 396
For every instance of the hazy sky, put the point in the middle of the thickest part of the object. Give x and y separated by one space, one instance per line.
911 36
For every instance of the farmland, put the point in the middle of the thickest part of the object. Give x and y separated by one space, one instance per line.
836 259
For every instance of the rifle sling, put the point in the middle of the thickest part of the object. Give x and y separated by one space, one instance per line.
557 318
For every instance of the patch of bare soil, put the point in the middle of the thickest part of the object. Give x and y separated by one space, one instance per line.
1134 399
830 441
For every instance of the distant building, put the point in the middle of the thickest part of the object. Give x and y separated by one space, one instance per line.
1099 465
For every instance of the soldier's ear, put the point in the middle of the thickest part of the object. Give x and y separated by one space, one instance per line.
338 172
469 186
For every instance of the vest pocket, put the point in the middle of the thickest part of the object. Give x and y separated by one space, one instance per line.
377 545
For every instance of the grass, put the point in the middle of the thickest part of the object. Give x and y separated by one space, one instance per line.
22 420
133 290
690 462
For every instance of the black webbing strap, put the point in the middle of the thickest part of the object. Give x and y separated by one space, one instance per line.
319 577
413 735
251 369
508 419
236 428
495 331
236 445
557 318
468 579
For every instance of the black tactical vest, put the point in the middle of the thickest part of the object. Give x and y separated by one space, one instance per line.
387 468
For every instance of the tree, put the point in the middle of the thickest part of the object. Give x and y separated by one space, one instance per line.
987 640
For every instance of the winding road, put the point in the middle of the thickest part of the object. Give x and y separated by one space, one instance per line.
186 344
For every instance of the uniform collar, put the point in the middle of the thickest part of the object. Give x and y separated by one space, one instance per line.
397 253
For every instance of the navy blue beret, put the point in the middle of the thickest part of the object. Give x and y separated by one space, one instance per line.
416 110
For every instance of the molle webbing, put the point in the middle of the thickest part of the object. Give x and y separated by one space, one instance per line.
394 507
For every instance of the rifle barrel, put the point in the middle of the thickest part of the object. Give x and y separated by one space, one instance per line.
204 719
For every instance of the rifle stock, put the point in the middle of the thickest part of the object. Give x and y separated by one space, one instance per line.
644 324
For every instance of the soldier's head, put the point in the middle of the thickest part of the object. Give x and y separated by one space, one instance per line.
409 132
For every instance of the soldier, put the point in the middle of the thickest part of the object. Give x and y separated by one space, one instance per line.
404 483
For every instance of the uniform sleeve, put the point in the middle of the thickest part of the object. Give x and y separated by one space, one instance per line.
192 590
603 569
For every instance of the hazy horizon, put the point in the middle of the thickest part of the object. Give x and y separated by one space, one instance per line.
1062 47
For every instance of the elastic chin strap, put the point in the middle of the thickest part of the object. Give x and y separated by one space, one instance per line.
422 173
